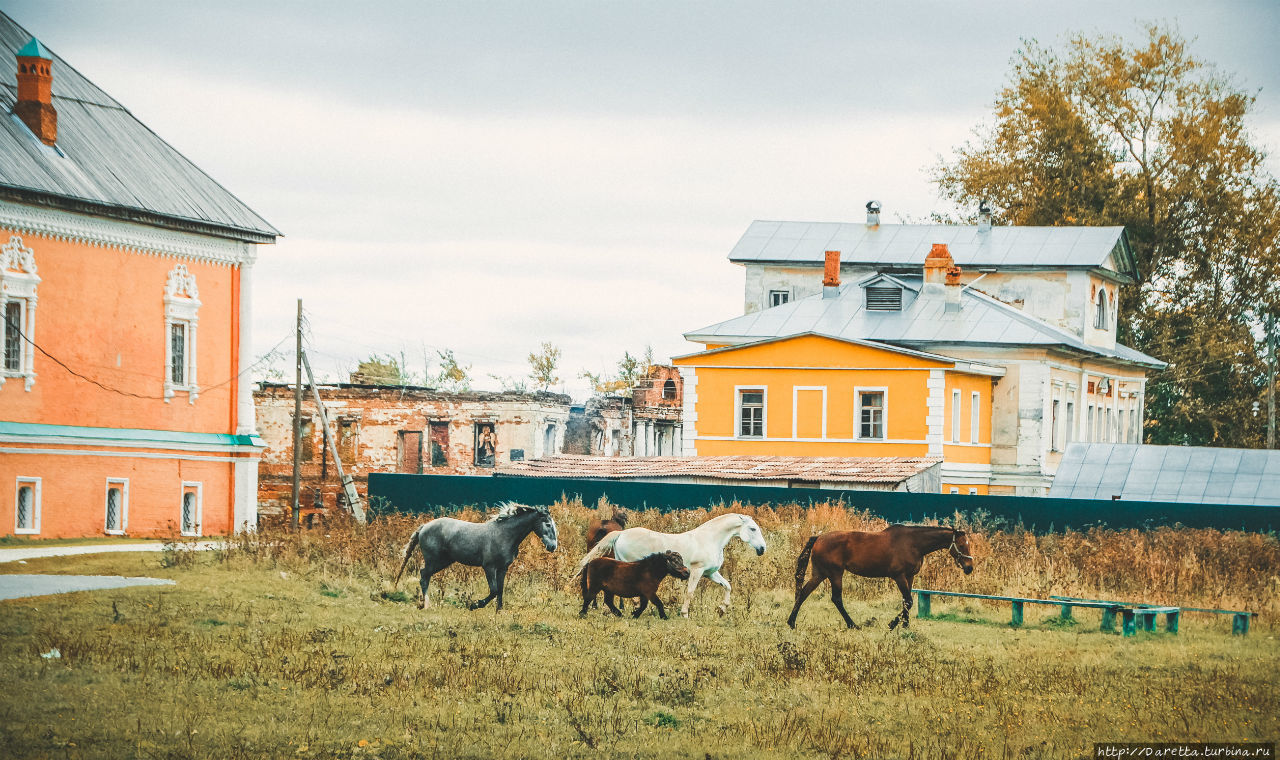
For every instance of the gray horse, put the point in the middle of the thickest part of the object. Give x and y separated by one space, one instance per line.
492 545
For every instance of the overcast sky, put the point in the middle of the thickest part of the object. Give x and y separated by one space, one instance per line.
485 176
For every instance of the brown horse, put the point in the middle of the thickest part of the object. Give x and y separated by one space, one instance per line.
896 552
598 529
631 579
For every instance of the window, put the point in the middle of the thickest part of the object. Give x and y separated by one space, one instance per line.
18 282
1071 421
975 416
751 413
954 489
27 506
955 416
884 298
1088 421
1053 432
669 390
486 445
409 452
190 517
973 491
439 432
779 297
117 517
871 410
1111 425
181 315
306 439
1101 320
549 441
348 438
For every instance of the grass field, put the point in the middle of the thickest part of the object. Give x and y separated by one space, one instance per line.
294 646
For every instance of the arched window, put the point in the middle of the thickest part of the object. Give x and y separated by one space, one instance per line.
181 315
1101 320
669 389
18 282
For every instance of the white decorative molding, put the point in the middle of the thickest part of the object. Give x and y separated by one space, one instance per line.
100 231
18 281
689 414
935 404
181 307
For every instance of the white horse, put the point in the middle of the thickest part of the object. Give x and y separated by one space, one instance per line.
701 548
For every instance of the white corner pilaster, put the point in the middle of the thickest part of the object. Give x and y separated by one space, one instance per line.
246 420
244 512
689 413
935 411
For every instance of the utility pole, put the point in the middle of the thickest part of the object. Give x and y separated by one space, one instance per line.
348 485
297 423
1271 382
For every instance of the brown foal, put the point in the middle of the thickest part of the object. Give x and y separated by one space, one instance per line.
598 529
628 579
896 552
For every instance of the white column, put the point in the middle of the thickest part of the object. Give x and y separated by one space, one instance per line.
245 510
935 410
689 436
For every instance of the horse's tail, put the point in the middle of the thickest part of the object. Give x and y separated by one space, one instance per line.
408 554
802 562
605 545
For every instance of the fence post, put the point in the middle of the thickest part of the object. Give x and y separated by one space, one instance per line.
1065 614
922 604
1240 624
1017 614
1108 619
1129 624
1171 622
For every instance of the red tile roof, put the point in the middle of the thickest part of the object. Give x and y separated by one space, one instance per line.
839 469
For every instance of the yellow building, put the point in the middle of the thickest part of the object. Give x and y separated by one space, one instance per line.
994 369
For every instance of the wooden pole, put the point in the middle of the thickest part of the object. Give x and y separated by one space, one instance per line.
297 423
348 485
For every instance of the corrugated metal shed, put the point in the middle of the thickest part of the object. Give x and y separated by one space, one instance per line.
906 245
1181 474
888 470
922 324
108 162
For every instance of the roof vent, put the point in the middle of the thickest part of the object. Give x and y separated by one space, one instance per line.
873 213
984 216
884 298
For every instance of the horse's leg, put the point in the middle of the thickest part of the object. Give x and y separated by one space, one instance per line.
644 602
662 612
490 575
608 602
904 586
803 594
837 597
723 581
424 580
501 575
694 577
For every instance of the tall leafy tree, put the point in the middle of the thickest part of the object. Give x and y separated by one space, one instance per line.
1147 136
543 364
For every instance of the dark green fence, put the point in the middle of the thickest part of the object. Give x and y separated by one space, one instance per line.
436 494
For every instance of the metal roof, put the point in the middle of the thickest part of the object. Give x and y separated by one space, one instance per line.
106 161
743 467
1181 474
922 324
907 244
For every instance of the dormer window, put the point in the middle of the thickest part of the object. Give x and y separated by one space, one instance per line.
884 298
1100 319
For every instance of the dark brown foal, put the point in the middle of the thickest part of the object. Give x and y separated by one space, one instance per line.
598 529
897 552
629 579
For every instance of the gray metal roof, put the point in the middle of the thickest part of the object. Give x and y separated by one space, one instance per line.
1182 474
922 324
106 161
908 244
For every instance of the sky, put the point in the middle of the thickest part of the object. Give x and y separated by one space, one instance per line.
486 176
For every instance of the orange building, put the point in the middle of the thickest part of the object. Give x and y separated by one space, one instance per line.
125 290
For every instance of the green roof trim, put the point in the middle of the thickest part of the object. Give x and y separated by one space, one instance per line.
107 436
34 49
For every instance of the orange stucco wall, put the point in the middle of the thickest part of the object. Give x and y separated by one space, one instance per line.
964 451
101 311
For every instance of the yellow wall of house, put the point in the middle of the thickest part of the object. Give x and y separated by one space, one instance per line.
961 448
963 488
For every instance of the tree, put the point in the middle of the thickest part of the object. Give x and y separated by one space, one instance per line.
380 370
452 376
543 364
1148 137
631 370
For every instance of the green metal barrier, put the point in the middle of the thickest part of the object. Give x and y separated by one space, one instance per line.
438 494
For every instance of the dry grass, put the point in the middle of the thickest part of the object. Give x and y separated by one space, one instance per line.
293 646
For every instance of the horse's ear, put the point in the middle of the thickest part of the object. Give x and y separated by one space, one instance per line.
959 532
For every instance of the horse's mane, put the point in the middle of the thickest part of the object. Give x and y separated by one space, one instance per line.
510 509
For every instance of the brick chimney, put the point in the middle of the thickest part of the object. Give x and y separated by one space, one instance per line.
954 289
831 275
35 92
936 265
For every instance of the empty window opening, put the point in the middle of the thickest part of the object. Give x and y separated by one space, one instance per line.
306 442
439 443
549 441
884 298
409 452
669 390
486 445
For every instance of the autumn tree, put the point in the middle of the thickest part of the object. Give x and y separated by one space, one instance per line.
1147 136
452 376
630 371
380 370
543 364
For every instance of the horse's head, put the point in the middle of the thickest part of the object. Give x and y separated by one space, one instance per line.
750 532
546 530
675 565
961 552
620 516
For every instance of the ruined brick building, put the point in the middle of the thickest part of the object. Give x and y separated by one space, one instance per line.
414 429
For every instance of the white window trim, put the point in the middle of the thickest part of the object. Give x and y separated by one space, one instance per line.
973 491
769 304
181 306
182 495
795 409
975 416
18 281
857 412
123 485
737 412
955 415
36 484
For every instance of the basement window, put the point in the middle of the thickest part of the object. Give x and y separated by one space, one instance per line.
884 298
